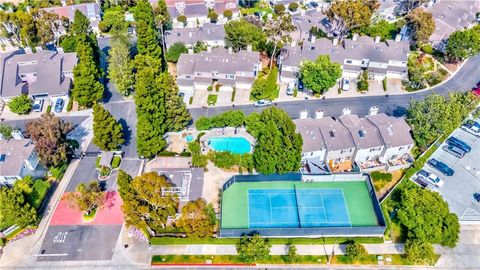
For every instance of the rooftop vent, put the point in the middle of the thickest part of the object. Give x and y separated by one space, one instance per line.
303 114
319 114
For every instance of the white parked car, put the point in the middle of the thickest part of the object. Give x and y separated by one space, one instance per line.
430 177
37 105
262 103
345 84
290 87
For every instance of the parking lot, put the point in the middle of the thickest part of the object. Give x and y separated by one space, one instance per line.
459 188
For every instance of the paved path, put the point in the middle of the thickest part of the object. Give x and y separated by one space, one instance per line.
275 250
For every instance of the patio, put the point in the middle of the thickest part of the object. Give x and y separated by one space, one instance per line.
177 141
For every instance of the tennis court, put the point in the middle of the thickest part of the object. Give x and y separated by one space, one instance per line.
288 204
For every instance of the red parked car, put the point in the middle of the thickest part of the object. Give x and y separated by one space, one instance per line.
476 91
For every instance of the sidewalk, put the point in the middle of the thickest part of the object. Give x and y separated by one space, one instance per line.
316 250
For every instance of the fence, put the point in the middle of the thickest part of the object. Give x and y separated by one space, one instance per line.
377 231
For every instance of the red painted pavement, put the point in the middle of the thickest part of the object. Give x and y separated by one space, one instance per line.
110 214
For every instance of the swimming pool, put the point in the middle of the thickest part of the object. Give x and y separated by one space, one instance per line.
235 145
189 138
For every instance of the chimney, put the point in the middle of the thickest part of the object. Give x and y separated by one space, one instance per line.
313 38
319 114
64 3
209 49
28 50
346 111
335 41
302 12
190 51
249 48
189 34
60 50
377 39
38 49
303 114
355 37
373 110
230 50
398 37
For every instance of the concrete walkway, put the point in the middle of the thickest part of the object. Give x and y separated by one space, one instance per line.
316 250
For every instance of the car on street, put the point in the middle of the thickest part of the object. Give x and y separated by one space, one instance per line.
472 127
345 84
430 178
59 105
476 196
37 105
290 87
300 86
262 103
476 91
459 143
453 150
441 167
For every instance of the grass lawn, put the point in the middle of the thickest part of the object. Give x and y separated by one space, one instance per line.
275 259
277 241
212 99
39 191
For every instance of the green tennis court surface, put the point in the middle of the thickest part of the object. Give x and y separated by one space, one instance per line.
297 205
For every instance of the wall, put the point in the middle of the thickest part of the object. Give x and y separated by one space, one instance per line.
363 155
332 155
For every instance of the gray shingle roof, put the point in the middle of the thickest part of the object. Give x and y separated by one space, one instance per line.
364 133
16 151
310 131
90 10
394 131
208 32
43 71
176 176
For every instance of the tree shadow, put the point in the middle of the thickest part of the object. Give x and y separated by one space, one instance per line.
127 131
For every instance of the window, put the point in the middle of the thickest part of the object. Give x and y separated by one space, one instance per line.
400 148
188 76
348 61
231 76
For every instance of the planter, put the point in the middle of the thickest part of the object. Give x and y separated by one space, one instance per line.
89 217
104 173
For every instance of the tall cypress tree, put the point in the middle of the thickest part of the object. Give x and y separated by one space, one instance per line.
178 117
147 39
107 132
86 87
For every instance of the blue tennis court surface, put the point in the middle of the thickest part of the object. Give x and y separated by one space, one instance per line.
297 208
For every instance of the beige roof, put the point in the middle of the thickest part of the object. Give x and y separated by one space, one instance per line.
16 152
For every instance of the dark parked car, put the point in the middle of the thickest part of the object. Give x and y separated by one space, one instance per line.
476 196
441 167
59 105
459 143
454 151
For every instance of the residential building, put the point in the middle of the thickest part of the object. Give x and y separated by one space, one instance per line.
368 141
91 10
41 75
217 66
381 59
395 133
211 34
451 16
338 141
17 160
196 11
305 21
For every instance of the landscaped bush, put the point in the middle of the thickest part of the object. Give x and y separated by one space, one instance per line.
167 154
231 119
116 162
213 16
225 160
212 99
279 8
21 104
173 53
182 19
293 6
185 154
39 191
190 101
5 131
227 13
355 251
362 86
49 108
380 176
209 88
427 48
384 84
70 105
58 171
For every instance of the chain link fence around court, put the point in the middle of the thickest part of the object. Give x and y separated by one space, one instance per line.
367 231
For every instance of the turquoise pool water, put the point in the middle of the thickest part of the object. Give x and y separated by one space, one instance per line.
189 138
235 145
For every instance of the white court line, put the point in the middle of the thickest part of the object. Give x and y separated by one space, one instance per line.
346 207
323 203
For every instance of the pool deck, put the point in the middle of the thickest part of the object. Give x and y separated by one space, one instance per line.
225 132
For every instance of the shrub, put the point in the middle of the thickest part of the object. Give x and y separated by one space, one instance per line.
103 26
227 13
233 95
380 176
190 100
39 191
5 131
213 16
49 108
355 251
58 171
227 119
173 53
362 85
225 160
279 9
185 154
419 251
182 19
167 154
427 48
70 105
252 249
210 88
200 135
293 6
199 160
292 256
212 99
384 83
2 242
116 162
21 104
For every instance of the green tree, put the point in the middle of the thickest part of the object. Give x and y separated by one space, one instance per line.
50 136
120 65
182 19
173 53
177 116
87 198
427 217
15 208
21 104
348 15
227 13
422 23
279 9
5 132
279 147
321 75
86 87
147 41
382 29
253 249
198 160
198 219
124 181
265 88
107 132
292 256
419 251
240 33
293 6
355 251
143 204
463 44
81 24
113 21
278 32
47 23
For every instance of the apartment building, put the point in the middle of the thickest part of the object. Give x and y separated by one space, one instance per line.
381 59
91 10
217 67
17 160
212 35
41 75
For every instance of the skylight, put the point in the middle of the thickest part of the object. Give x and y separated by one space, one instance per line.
361 133
2 158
